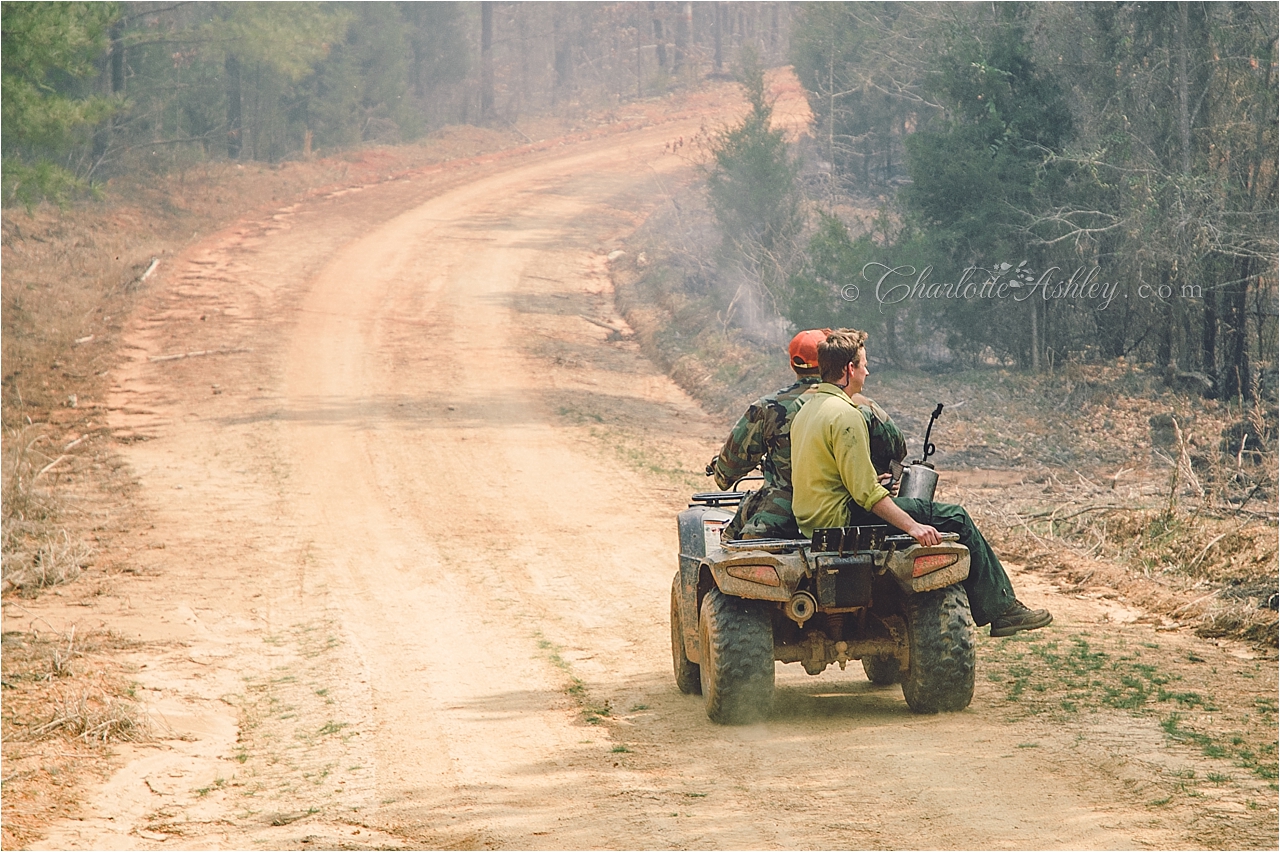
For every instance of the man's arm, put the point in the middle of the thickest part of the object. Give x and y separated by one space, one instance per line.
854 457
850 447
892 513
742 450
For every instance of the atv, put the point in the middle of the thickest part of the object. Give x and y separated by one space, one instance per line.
863 593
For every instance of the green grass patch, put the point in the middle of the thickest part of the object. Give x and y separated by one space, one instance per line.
1058 676
641 455
577 415
592 713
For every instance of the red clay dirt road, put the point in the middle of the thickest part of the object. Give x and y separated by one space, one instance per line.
413 538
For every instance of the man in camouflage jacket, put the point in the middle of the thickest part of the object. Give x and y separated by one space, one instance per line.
763 436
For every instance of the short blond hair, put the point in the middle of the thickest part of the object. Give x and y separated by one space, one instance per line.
838 351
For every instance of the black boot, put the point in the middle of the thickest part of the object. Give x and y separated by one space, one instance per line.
1019 617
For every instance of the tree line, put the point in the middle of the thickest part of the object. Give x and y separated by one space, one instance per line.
95 89
1049 181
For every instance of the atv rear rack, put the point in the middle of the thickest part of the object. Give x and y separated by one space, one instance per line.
768 545
718 499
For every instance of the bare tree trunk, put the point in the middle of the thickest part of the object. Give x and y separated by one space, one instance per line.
659 39
486 60
114 86
523 24
1164 348
891 337
117 57
1035 336
1236 380
831 122
1209 338
563 50
1184 93
717 29
235 118
684 32
251 131
639 54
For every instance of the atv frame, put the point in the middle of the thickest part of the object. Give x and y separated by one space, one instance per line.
850 593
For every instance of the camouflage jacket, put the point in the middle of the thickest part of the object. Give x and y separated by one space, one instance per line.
763 436
887 440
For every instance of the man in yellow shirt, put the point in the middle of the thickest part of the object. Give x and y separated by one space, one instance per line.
835 485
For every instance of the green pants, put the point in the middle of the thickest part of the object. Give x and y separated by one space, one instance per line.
765 513
990 592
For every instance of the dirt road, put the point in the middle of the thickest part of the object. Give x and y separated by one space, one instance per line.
407 583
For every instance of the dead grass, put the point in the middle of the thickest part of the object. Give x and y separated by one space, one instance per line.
94 717
1226 594
1190 536
37 552
67 699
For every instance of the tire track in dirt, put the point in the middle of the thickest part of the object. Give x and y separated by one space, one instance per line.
471 503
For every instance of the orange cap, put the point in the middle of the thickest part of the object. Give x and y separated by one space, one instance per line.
804 348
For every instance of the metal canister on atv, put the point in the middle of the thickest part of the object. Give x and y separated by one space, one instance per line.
919 480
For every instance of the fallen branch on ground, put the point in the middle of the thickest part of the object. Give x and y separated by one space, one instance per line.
155 261
48 467
1056 517
199 354
612 328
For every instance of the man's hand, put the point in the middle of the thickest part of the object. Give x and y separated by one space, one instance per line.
925 535
887 480
711 466
888 510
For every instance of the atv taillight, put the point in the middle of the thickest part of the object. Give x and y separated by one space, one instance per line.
932 562
764 574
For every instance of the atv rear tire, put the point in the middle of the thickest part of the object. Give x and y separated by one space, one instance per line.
940 631
737 659
882 670
687 677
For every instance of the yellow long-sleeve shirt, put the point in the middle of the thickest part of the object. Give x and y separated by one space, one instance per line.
831 461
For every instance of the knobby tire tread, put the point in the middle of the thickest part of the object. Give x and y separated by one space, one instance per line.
737 659
940 676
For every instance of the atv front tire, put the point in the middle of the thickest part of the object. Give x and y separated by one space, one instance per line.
940 632
882 670
687 677
737 659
